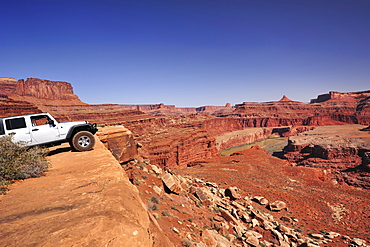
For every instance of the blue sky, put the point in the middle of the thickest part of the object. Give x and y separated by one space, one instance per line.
189 53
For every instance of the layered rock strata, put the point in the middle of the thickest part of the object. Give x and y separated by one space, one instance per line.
285 113
193 139
120 141
329 147
346 97
38 88
342 148
10 107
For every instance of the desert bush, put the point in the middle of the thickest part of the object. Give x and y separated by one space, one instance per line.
155 199
19 162
165 213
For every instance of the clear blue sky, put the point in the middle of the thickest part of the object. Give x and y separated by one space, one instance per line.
189 52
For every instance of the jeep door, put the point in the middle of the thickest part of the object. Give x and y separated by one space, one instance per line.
43 130
17 128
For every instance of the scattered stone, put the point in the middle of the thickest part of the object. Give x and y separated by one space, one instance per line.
294 219
255 223
232 193
277 205
238 231
245 217
156 170
332 235
261 200
317 236
234 213
175 230
203 194
286 219
218 218
228 217
157 190
253 241
212 238
358 242
172 183
214 185
251 233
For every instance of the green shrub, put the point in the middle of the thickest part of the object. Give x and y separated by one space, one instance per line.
19 162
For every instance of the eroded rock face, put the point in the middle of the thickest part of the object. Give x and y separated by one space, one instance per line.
337 96
340 148
57 97
288 113
191 139
120 142
45 89
10 107
8 86
325 144
38 88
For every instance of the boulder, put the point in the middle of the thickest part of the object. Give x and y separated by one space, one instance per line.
277 205
232 193
332 235
120 141
212 238
261 200
359 242
172 183
156 170
253 241
203 194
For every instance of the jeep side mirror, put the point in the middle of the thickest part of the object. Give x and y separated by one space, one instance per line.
52 122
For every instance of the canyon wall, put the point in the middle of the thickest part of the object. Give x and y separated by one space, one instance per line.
337 96
354 111
339 149
10 107
193 139
174 136
38 88
56 97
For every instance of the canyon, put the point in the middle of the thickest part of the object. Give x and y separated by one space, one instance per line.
172 136
327 152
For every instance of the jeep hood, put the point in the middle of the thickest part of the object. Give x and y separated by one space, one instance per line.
74 123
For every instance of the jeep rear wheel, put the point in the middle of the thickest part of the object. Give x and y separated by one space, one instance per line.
83 141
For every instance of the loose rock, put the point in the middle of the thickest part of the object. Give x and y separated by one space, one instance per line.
277 205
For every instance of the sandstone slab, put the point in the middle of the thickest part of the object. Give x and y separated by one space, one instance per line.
120 141
85 199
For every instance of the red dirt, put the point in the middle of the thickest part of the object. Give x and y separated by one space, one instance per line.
318 203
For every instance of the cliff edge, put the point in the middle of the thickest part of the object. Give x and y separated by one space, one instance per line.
85 199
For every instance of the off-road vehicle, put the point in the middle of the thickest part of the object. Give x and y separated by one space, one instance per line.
43 129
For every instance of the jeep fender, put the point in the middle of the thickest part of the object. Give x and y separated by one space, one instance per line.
81 127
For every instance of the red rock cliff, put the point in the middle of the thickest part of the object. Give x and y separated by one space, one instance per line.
41 89
45 89
337 96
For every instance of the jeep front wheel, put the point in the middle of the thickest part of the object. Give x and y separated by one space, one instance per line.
83 141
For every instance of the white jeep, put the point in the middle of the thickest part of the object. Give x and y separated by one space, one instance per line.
43 129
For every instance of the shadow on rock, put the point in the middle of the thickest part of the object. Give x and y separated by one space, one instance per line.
60 150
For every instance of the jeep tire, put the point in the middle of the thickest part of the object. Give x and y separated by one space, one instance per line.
83 141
